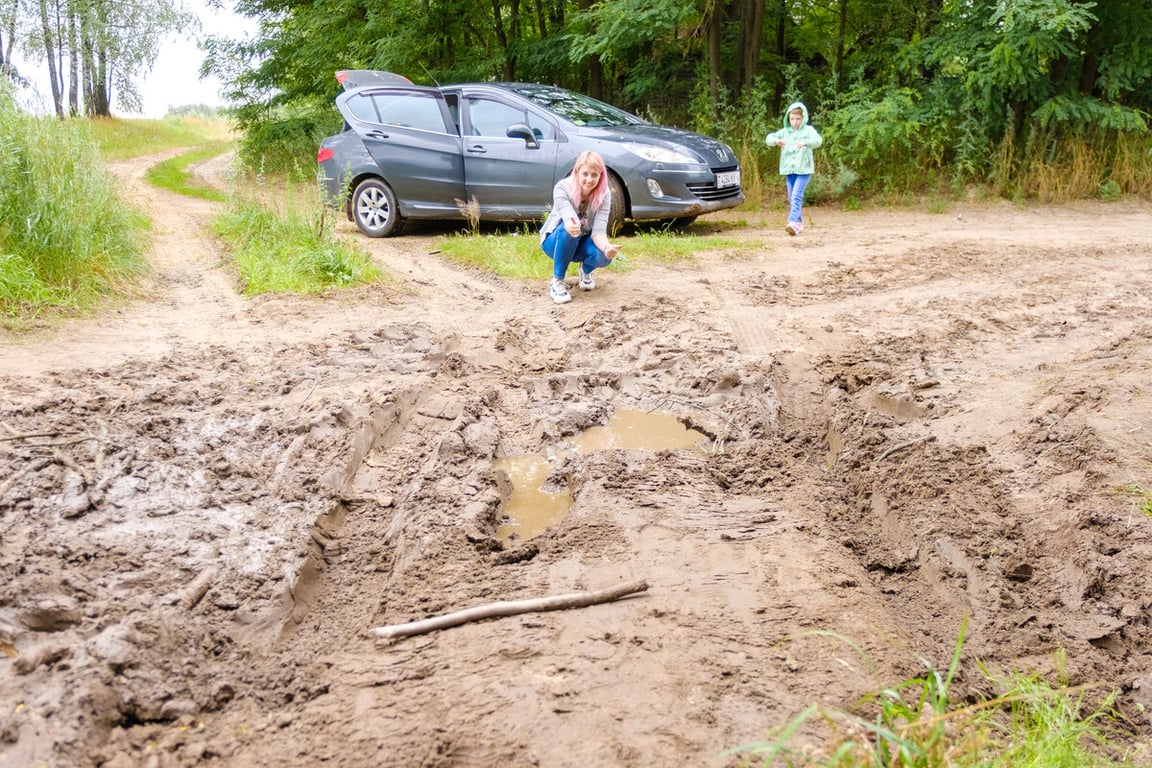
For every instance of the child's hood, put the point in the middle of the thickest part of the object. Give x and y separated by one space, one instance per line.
803 114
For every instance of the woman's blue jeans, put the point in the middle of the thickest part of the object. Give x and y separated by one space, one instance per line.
797 182
565 249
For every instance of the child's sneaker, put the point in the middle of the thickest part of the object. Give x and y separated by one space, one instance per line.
798 226
792 228
559 292
586 281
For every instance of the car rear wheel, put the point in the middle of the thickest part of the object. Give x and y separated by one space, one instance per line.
374 209
619 210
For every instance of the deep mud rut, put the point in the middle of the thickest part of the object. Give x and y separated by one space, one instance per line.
914 420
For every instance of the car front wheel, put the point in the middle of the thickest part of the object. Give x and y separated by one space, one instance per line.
374 209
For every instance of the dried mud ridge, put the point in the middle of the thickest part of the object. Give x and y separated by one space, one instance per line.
195 545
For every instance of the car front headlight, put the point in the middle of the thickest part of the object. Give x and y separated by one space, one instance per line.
658 154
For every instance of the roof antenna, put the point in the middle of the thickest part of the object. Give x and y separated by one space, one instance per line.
429 74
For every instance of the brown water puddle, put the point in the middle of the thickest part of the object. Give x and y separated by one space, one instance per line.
531 510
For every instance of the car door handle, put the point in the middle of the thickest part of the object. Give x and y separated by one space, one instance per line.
478 149
376 135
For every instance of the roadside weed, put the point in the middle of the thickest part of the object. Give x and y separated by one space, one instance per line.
292 248
67 237
919 724
1143 497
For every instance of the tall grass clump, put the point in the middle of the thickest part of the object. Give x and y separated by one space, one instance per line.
67 238
919 723
1074 166
291 248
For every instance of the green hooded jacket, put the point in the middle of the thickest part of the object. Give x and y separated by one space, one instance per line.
794 159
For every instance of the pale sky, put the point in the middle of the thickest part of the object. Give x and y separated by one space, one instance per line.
174 80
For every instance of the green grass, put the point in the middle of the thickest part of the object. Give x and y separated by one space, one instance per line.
173 175
67 237
518 254
292 250
1143 497
120 139
1029 723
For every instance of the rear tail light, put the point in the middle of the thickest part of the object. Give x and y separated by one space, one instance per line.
324 154
341 76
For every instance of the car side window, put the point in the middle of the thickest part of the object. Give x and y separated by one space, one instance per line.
407 110
487 117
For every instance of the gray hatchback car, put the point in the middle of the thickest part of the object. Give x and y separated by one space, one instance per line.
495 150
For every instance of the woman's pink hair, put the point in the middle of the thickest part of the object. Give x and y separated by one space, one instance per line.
594 160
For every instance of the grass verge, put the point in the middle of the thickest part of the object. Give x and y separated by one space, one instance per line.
517 254
292 249
917 724
173 174
67 237
120 139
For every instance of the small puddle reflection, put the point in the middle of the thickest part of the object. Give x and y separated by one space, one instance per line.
531 510
639 430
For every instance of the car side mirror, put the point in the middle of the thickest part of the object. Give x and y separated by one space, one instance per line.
522 131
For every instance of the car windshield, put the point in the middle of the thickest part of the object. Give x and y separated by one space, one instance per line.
576 107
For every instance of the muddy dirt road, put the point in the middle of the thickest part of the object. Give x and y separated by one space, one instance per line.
907 421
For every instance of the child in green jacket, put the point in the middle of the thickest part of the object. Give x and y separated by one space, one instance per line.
796 140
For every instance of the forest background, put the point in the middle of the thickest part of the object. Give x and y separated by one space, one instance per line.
1044 99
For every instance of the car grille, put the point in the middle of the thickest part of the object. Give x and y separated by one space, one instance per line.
709 191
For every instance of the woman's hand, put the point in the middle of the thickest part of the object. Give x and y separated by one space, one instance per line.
572 227
610 251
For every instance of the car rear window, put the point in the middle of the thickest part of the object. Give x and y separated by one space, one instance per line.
407 110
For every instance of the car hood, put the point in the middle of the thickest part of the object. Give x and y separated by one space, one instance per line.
712 152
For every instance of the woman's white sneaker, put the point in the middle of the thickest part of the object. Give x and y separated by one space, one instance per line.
559 292
586 281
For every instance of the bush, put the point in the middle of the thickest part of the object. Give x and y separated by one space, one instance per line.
67 238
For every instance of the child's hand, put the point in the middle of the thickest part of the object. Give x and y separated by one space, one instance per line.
780 142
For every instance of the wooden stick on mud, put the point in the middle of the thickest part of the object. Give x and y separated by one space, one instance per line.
510 608
902 446
196 590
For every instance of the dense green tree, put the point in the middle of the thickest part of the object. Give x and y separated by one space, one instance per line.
927 83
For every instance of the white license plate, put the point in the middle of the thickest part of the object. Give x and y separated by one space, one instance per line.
728 179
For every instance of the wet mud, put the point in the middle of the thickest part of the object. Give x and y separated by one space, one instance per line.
914 425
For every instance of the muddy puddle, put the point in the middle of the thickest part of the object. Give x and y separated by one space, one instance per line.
531 509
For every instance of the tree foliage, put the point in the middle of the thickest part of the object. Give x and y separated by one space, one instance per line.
936 83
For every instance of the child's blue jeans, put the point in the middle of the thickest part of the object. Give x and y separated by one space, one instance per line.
797 182
565 249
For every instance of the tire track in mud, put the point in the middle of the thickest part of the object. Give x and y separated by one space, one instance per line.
342 479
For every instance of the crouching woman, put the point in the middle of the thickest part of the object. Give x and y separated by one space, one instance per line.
576 229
